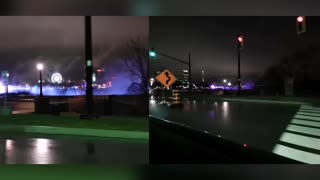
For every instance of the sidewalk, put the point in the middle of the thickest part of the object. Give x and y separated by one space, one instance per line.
113 127
270 99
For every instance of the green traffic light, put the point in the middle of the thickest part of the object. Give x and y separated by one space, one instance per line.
152 54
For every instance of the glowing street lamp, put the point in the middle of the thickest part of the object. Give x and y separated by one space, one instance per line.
40 68
229 84
224 81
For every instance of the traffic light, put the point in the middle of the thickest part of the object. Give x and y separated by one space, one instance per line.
152 53
301 24
240 42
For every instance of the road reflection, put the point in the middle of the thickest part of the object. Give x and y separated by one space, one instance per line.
22 150
9 145
225 110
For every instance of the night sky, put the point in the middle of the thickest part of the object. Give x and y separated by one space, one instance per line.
161 7
58 42
212 42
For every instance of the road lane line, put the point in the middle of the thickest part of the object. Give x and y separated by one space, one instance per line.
309 142
309 114
304 130
295 154
307 123
306 117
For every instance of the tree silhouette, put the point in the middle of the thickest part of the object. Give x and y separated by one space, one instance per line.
136 63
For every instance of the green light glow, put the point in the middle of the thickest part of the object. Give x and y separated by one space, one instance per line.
89 63
152 54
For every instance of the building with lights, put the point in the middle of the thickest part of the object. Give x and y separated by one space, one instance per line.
185 76
202 76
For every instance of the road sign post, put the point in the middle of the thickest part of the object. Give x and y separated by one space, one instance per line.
166 78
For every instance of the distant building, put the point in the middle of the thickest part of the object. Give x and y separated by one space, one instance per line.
99 73
202 76
185 76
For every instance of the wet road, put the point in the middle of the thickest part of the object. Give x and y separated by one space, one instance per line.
18 149
292 131
258 125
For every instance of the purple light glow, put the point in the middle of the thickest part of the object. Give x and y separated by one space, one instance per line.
249 85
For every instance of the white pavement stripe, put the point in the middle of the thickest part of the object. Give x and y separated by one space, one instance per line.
305 105
307 123
307 117
310 108
305 130
308 114
304 141
307 110
296 154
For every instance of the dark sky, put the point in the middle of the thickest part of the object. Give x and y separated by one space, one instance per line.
212 42
58 42
161 7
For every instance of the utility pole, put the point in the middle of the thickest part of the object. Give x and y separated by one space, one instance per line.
88 65
190 85
239 73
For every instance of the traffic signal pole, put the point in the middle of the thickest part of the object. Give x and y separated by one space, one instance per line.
88 65
239 73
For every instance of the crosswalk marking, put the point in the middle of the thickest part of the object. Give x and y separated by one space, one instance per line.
309 110
304 141
307 123
296 154
305 130
306 116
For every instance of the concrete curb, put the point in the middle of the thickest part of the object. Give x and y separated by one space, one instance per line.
266 101
76 131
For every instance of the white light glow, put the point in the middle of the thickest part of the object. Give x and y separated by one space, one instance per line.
9 145
56 78
40 67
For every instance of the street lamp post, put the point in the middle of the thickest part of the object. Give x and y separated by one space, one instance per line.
40 68
7 86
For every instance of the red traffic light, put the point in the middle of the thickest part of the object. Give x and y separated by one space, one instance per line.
240 39
301 24
300 19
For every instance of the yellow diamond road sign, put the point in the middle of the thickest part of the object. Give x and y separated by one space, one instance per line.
166 78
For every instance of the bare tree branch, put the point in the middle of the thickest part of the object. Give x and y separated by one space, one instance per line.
136 63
